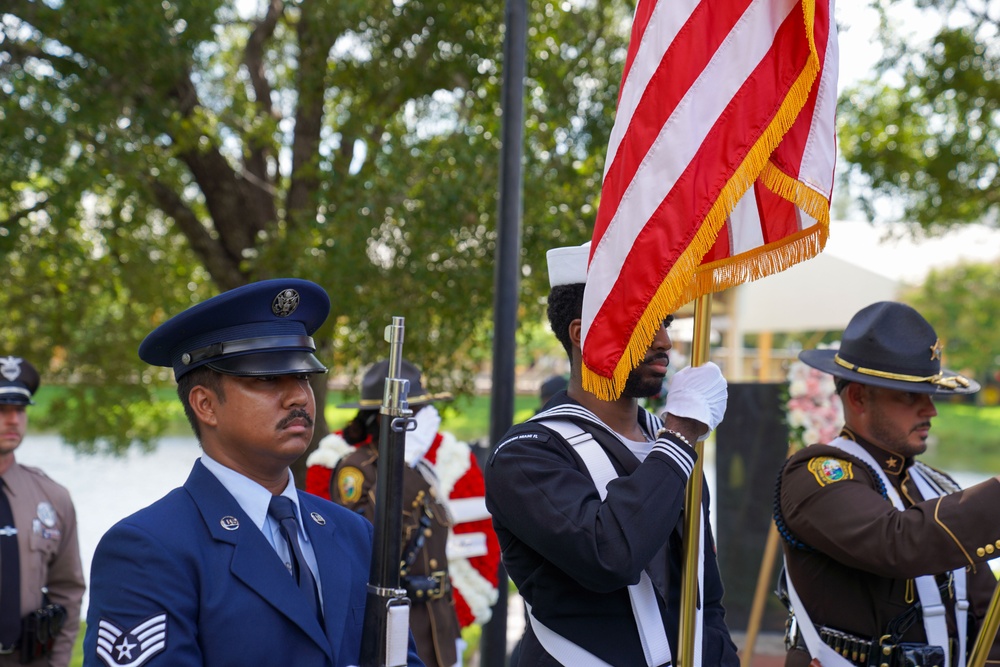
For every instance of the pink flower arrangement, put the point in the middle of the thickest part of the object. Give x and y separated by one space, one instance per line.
814 411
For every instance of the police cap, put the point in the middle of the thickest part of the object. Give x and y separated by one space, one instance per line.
18 381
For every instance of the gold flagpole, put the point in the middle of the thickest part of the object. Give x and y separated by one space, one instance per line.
692 534
987 633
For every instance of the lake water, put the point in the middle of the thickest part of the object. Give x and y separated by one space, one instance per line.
106 489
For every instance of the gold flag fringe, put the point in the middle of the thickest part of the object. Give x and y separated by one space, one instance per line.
686 280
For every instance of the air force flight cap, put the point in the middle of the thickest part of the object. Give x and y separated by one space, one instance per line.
263 328
18 381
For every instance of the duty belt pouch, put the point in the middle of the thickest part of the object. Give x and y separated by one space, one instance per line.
918 655
39 630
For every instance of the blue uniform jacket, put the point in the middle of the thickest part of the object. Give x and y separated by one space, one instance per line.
572 555
190 580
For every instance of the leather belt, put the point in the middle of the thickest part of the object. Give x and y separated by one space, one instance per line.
866 652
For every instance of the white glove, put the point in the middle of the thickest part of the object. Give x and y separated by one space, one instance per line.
699 393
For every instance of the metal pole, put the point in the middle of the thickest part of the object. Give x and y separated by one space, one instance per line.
987 633
692 525
493 651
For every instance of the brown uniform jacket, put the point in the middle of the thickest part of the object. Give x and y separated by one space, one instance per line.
49 554
853 556
433 622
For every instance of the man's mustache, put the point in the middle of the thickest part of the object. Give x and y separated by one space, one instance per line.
298 413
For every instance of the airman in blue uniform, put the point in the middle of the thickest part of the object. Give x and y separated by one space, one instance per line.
236 567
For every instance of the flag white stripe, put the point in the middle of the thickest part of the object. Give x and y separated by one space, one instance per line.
816 169
745 232
665 22
678 142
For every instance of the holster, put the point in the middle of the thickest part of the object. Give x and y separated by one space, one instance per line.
39 631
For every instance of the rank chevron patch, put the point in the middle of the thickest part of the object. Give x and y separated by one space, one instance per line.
117 647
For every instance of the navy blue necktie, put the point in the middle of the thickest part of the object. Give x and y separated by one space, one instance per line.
282 510
10 574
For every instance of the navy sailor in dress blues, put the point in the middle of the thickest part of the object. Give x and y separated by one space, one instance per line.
587 502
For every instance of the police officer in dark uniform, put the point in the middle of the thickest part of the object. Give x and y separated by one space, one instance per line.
587 501
41 578
885 556
237 567
424 561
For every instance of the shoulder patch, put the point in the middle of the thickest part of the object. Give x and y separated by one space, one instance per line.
350 481
134 646
525 436
828 470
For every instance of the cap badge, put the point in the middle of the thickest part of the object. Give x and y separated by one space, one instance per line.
230 522
317 517
10 367
936 349
285 303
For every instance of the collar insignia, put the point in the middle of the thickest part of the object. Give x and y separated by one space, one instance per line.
318 518
8 531
891 463
117 647
936 349
230 522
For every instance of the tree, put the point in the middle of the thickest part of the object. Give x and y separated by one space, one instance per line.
961 303
157 154
926 130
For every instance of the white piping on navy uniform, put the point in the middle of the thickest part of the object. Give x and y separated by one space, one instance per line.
653 424
642 596
679 456
935 625
931 487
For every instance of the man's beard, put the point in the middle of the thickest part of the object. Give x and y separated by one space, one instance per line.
638 386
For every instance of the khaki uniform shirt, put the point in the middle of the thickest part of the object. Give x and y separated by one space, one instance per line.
434 622
853 557
49 554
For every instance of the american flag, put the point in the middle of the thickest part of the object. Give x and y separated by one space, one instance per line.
719 169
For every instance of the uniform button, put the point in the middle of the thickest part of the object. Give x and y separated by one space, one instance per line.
990 549
980 552
998 544
886 650
433 562
427 532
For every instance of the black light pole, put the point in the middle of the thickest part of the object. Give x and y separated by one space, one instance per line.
506 279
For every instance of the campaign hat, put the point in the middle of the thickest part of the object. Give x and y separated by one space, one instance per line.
18 381
891 345
373 387
568 265
263 328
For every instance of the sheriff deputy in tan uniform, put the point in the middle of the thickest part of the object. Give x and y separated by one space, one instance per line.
41 578
424 571
885 556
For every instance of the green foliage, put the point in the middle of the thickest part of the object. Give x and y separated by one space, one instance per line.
156 155
926 130
961 303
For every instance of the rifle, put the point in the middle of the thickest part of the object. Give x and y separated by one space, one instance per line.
386 631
